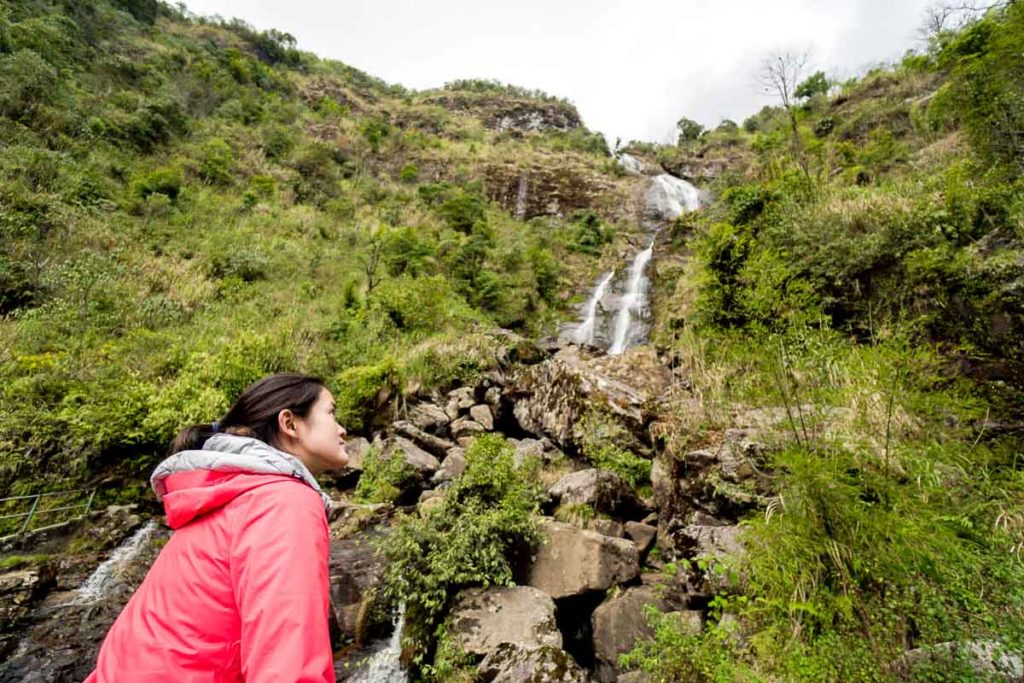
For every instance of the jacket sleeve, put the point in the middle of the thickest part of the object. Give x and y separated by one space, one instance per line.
279 556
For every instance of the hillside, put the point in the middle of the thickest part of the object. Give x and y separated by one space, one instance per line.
811 470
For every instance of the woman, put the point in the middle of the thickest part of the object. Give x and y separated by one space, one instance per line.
240 592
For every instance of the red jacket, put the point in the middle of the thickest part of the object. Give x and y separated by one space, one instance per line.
239 593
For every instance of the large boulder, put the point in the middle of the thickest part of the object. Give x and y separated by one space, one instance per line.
603 490
465 427
419 460
20 589
572 561
484 618
620 622
483 415
550 398
452 466
355 569
511 663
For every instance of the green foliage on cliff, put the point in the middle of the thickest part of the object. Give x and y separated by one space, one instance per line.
187 204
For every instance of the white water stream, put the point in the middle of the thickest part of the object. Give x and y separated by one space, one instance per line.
617 311
584 334
385 666
105 576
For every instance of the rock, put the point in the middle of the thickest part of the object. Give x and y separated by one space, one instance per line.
510 663
20 589
550 398
355 570
603 490
572 561
434 445
357 447
528 448
452 466
641 534
418 459
483 415
715 542
608 527
466 426
492 397
988 659
428 417
430 499
484 618
464 442
459 400
348 518
633 677
620 621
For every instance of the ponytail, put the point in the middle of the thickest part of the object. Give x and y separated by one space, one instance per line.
255 412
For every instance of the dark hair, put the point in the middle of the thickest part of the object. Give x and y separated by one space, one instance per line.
255 412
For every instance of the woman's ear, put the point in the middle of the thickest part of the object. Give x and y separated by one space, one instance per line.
286 423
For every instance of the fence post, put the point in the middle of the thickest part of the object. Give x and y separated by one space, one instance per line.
31 513
88 505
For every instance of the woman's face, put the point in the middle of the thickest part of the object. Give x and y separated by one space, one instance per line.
320 438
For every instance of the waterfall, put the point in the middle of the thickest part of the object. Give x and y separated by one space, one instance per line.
633 302
632 164
584 334
105 576
668 197
385 666
521 195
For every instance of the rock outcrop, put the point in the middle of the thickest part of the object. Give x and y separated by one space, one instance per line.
573 561
484 618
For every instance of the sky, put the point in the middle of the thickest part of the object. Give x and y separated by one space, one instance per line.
632 68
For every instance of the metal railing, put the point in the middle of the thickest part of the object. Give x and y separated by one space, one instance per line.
34 510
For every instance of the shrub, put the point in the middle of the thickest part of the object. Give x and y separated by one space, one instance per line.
383 479
216 162
474 538
166 180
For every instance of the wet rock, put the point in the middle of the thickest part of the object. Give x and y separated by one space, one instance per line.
641 534
482 414
511 663
620 621
572 561
466 427
452 466
428 417
20 589
484 618
355 569
603 490
550 398
434 445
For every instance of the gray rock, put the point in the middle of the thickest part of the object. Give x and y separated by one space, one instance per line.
430 499
511 663
434 445
605 491
452 466
526 449
482 414
572 561
641 534
484 618
428 417
620 622
357 447
608 527
492 396
466 426
459 401
986 658
422 462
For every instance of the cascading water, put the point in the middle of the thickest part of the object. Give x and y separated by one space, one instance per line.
100 581
631 308
385 666
666 198
585 333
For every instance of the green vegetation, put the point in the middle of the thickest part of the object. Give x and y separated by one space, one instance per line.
473 538
860 290
188 204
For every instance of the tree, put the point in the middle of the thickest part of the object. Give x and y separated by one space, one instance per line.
779 75
816 84
689 130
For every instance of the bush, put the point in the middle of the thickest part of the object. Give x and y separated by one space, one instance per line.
383 479
474 538
216 162
166 180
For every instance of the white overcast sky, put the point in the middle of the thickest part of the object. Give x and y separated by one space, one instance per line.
632 67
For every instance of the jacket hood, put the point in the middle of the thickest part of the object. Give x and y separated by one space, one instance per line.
195 482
